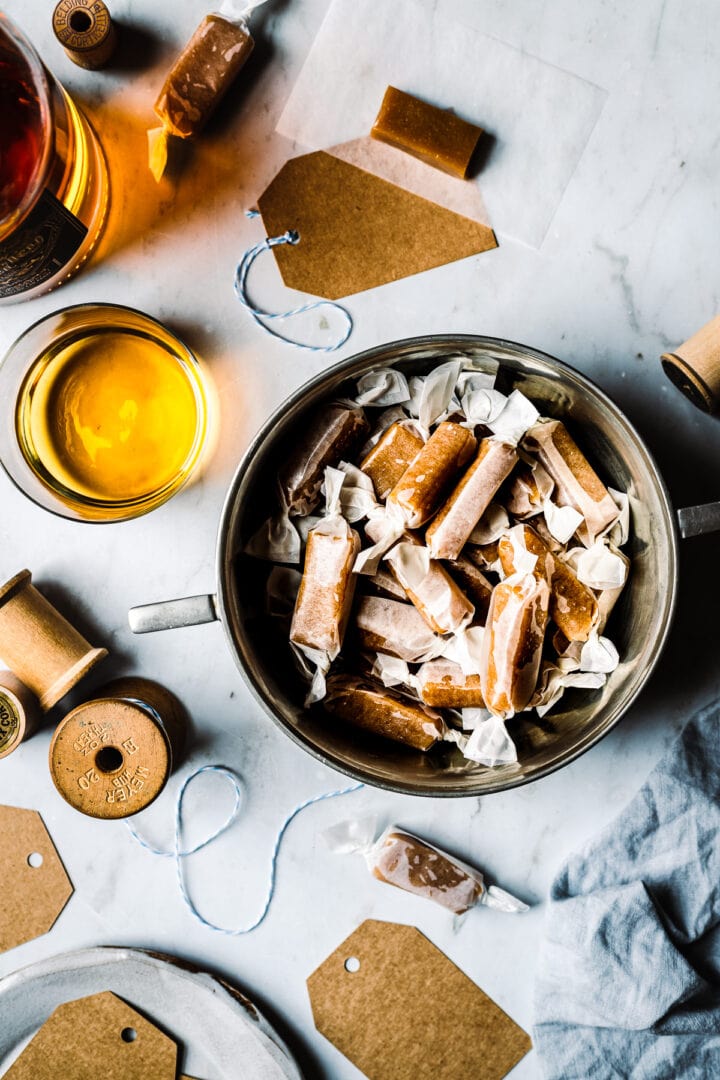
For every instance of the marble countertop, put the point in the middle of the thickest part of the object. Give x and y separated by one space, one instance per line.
629 267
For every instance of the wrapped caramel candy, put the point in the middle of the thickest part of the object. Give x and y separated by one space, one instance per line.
431 589
369 705
397 629
327 586
456 519
325 595
576 482
573 607
330 436
513 642
424 484
401 859
480 647
390 457
199 79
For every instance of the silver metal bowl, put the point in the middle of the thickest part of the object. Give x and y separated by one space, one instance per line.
639 625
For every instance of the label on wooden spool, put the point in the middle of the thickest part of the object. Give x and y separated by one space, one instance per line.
11 723
110 758
86 31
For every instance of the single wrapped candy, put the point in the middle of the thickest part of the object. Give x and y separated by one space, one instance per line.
424 484
398 629
329 436
401 859
324 599
198 80
573 607
428 585
370 706
391 456
458 516
576 482
513 642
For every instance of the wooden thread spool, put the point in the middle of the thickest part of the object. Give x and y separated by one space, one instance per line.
111 757
694 367
19 713
85 31
39 645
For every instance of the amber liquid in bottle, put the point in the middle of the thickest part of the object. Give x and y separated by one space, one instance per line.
53 179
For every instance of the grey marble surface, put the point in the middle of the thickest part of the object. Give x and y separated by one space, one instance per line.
630 265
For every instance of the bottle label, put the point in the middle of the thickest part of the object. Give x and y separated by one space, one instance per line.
44 243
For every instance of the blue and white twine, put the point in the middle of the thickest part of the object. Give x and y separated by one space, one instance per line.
259 314
179 855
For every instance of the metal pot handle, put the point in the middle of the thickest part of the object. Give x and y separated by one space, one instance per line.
170 614
696 520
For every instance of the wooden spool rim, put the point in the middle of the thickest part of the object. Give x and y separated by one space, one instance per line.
14 586
69 678
688 381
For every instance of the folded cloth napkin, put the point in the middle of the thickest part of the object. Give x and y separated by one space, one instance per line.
629 977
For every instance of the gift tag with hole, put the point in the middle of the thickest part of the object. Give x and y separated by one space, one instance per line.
400 1010
97 1036
35 887
357 230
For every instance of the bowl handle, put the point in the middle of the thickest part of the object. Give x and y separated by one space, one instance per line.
696 520
169 614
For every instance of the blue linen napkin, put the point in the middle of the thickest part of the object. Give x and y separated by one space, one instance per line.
629 976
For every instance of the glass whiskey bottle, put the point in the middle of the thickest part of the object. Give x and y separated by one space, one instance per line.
53 177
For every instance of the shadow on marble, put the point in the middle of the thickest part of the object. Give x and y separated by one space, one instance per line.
137 47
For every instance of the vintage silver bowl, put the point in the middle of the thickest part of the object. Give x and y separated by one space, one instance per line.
639 625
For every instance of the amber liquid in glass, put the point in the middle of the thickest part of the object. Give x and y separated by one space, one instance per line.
53 180
112 417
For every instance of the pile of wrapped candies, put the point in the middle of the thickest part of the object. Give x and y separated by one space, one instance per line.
460 560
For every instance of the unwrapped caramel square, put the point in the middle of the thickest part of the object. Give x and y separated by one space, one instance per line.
433 135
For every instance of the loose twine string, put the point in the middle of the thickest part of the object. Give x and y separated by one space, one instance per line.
179 855
259 314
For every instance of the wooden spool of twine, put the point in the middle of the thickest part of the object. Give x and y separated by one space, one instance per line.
86 32
694 366
39 645
19 713
111 757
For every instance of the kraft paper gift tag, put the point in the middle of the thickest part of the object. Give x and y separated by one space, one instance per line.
368 214
97 1036
395 1005
35 887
